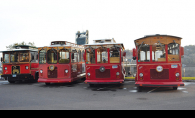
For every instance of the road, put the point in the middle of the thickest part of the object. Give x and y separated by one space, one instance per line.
79 96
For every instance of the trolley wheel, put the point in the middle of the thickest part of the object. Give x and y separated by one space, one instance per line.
11 81
139 88
91 85
36 77
47 83
175 88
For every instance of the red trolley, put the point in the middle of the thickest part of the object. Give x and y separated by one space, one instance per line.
61 62
20 63
158 61
104 62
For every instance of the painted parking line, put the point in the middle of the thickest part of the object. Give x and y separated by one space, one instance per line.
4 82
152 90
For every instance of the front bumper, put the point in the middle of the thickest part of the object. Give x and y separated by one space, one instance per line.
159 84
18 77
104 81
55 80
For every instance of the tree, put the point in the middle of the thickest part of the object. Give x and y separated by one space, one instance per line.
22 43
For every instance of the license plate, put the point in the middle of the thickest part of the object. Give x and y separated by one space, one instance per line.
14 75
173 66
114 66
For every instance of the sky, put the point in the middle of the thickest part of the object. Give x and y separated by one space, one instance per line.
43 21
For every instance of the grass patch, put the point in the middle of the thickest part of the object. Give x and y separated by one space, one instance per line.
188 78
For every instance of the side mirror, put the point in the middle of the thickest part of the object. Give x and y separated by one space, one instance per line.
124 54
182 51
134 52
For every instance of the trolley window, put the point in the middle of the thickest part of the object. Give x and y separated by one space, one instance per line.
64 56
52 56
74 57
6 58
158 52
90 56
115 55
42 57
82 56
102 55
24 57
14 57
173 52
144 53
34 57
79 56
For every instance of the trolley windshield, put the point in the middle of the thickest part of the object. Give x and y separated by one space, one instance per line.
102 54
54 56
18 56
158 49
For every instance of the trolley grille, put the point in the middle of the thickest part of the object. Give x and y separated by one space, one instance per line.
159 75
52 74
15 69
105 74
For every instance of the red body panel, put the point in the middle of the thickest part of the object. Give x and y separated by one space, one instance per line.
167 79
23 69
107 77
32 68
62 77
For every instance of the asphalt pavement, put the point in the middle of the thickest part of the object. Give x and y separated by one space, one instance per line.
79 96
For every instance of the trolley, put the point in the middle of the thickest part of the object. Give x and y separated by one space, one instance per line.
158 61
104 62
61 62
20 63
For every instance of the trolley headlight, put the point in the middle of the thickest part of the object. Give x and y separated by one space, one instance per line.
66 71
26 67
117 73
41 71
177 74
88 74
141 74
5 68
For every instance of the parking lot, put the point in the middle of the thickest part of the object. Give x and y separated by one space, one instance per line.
79 96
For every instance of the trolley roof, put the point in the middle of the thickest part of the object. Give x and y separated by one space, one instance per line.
104 42
151 39
21 48
61 45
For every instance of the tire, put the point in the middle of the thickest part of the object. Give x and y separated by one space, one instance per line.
139 88
91 85
47 83
175 88
36 77
11 81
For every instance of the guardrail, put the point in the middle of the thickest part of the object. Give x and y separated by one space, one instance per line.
183 78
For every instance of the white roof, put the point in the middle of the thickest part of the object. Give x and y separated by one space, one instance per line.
58 45
14 50
104 44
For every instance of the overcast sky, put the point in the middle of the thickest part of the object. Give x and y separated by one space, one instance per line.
43 21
